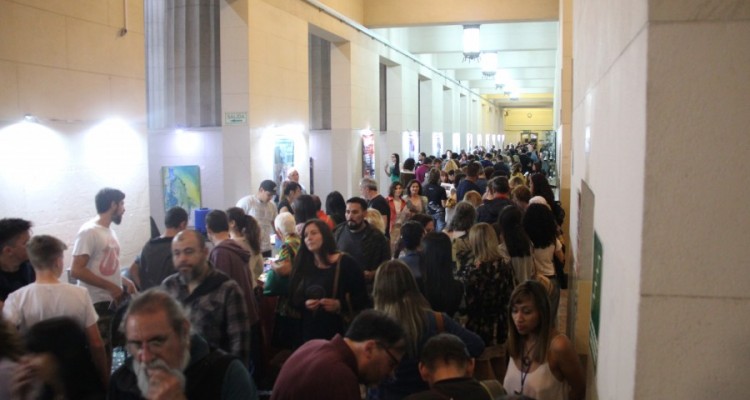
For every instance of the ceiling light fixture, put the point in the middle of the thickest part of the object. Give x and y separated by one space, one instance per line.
471 42
489 64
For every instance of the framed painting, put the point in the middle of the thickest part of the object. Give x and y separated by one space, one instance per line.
182 187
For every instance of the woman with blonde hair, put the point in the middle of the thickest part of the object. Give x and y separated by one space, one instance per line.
474 198
488 287
375 218
395 293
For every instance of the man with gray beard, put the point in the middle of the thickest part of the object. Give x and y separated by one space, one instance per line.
167 362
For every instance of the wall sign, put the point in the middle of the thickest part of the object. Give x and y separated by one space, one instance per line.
235 118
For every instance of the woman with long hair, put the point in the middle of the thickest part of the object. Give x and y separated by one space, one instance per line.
543 364
336 207
458 230
415 202
539 186
244 230
396 205
516 246
489 284
540 226
440 288
57 362
395 293
304 210
392 169
326 285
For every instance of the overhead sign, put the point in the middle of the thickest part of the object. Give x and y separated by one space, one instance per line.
235 118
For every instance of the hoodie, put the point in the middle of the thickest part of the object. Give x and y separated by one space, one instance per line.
230 258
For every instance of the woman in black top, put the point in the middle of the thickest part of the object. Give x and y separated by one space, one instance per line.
438 285
326 285
436 198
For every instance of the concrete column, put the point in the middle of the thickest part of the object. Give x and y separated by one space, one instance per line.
183 69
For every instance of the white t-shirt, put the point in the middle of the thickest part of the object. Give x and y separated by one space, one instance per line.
40 301
543 258
264 213
103 249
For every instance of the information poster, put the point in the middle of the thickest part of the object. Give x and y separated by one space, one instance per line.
283 159
368 154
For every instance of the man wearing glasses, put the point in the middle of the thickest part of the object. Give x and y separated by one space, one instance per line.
167 362
333 369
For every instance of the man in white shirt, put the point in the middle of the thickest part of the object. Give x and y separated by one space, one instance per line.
49 298
264 211
96 259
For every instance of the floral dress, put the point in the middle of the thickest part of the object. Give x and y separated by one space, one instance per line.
488 289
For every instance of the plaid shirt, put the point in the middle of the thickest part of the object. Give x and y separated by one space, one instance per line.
217 311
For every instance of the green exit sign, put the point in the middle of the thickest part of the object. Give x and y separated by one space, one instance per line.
235 118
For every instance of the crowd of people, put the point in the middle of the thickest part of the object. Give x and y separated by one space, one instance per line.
446 287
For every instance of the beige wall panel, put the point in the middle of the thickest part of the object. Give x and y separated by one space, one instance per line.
9 106
98 48
384 13
236 49
699 10
128 98
31 36
135 15
353 9
257 45
707 249
692 348
61 94
89 10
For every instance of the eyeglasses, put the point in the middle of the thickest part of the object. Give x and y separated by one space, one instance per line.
394 361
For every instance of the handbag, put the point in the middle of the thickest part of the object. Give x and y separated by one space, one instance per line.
347 317
275 284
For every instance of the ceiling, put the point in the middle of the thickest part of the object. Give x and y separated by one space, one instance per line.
526 50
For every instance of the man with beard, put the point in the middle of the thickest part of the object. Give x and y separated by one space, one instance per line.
167 362
360 240
96 260
215 301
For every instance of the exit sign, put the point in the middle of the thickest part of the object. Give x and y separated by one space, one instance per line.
235 118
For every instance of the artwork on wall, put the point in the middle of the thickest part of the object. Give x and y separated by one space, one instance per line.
182 187
368 154
437 143
283 159
414 144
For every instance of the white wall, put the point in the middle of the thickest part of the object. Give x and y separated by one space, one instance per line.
650 102
66 64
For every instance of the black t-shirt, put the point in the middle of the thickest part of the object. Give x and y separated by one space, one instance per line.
351 242
435 196
12 281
